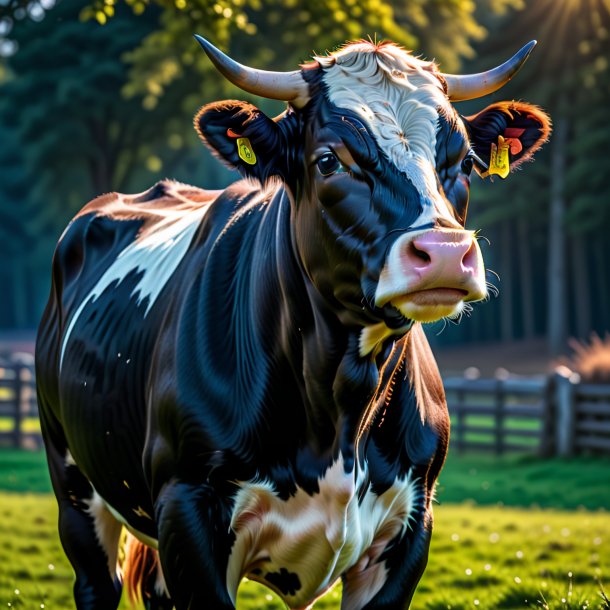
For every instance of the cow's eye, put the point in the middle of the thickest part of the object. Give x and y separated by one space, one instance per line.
468 164
328 164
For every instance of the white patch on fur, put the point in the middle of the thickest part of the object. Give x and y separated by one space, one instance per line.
399 98
157 254
107 530
160 584
69 460
318 537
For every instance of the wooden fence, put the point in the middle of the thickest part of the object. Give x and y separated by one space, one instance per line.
555 415
583 415
501 415
18 405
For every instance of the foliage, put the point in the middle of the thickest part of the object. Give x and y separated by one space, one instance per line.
91 108
542 215
567 75
168 58
69 135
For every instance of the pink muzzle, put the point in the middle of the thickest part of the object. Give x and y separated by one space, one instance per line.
431 274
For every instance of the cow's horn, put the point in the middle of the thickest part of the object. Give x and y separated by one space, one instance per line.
288 86
470 86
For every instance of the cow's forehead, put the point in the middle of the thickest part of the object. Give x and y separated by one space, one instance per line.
398 96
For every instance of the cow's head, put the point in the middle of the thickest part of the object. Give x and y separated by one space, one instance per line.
379 163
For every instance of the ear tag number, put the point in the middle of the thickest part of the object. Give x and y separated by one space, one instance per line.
245 152
499 162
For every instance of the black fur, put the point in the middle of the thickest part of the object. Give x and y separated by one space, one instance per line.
247 366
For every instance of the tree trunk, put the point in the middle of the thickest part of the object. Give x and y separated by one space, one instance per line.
582 286
557 307
602 291
507 292
525 278
19 294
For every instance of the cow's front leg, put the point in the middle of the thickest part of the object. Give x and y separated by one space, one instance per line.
195 541
394 575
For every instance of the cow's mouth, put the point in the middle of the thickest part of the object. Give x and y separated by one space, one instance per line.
431 304
436 296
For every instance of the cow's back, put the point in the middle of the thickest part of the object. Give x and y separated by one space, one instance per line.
116 272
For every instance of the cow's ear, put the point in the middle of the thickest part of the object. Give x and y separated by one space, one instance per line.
519 128
245 138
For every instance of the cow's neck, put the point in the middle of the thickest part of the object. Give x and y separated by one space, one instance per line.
343 387
282 341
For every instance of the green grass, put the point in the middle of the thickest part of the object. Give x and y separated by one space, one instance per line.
526 481
482 479
494 555
24 471
481 557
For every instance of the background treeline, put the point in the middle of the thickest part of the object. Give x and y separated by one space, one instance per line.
99 96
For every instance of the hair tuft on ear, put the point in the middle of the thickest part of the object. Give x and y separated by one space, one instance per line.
525 126
244 138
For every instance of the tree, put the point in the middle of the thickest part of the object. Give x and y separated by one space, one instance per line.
68 135
442 29
568 194
106 103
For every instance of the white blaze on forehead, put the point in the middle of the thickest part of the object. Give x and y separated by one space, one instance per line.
399 98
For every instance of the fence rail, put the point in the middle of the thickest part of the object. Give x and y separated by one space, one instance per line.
18 403
589 412
547 415
499 415
553 415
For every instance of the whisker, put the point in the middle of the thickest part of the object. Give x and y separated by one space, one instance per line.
492 289
483 238
444 320
493 273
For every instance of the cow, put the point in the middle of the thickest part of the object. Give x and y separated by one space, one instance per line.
239 378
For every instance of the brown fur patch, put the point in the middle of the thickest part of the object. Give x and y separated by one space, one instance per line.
140 565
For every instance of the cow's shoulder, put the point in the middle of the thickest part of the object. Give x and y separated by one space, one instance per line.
159 203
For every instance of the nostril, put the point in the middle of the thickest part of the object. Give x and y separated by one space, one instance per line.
470 258
419 254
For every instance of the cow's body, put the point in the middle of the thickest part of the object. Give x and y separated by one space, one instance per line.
303 512
240 383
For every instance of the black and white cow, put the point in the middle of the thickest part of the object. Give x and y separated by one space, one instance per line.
238 377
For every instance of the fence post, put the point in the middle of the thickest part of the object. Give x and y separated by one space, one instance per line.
548 432
459 396
18 390
565 381
499 416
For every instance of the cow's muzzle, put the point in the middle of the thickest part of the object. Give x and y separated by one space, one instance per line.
429 275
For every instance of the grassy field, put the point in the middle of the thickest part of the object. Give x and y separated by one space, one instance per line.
483 555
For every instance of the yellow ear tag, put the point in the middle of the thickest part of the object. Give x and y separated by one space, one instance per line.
499 162
245 152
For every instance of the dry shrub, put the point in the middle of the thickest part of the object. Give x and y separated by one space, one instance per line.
591 360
